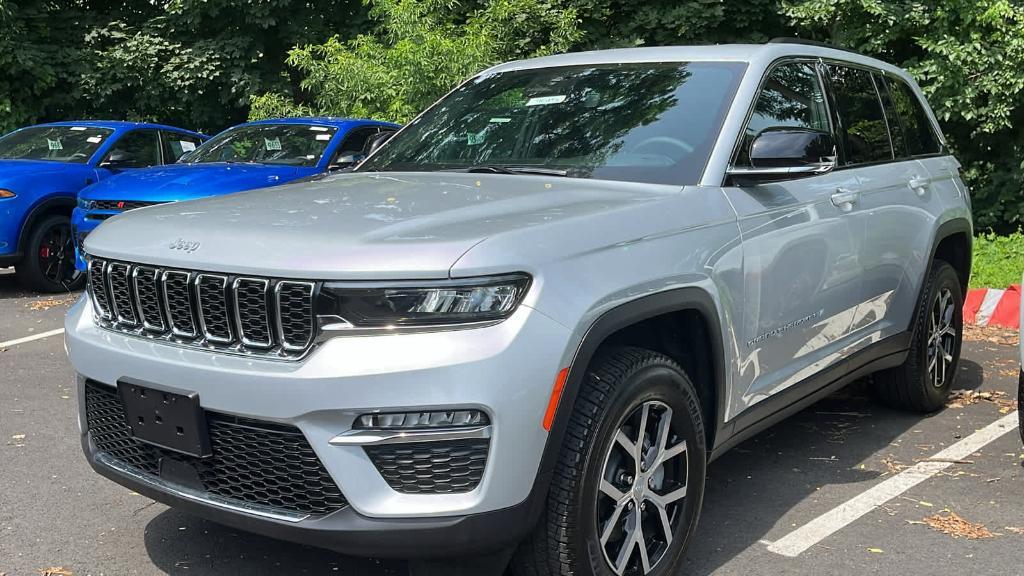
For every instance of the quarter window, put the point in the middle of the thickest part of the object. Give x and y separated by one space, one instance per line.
177 145
792 97
921 137
862 130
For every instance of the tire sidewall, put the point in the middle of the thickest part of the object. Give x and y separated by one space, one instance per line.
665 384
31 269
944 278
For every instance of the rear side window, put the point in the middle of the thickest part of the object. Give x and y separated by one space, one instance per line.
892 117
177 145
792 97
862 129
920 134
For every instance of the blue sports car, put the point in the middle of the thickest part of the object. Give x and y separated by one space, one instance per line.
42 169
245 157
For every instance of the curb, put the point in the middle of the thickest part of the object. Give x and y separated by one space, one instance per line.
991 307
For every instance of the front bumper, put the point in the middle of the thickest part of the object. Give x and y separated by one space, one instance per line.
505 370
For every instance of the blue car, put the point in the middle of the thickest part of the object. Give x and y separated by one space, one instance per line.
247 156
42 169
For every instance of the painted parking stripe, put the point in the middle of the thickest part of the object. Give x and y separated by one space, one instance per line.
796 542
39 336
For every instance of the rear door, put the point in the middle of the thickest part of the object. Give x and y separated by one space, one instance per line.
801 260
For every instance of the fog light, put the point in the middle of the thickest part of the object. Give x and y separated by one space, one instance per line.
421 420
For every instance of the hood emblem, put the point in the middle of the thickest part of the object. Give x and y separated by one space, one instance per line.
184 245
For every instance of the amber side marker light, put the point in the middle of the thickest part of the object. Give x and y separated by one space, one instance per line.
6 193
556 396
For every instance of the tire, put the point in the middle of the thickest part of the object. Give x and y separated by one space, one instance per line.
621 386
912 385
48 264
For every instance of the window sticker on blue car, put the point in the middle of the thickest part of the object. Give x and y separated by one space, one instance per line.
323 137
187 146
79 128
54 144
318 129
272 143
475 139
545 100
94 139
500 120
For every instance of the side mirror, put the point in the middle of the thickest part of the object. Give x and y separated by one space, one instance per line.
375 141
345 161
784 152
116 159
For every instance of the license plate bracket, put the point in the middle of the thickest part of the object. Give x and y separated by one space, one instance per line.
165 417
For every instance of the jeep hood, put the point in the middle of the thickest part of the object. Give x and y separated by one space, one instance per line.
189 181
356 226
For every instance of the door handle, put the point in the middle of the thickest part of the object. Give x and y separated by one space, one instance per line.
844 199
919 185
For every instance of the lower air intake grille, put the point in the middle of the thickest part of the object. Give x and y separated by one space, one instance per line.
255 463
431 467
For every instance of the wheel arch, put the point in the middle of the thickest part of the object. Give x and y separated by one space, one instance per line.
53 204
953 243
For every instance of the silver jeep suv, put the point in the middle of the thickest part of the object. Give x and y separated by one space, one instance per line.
536 314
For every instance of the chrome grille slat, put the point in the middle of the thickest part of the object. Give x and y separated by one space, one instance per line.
294 304
211 289
98 288
146 282
119 284
240 315
252 315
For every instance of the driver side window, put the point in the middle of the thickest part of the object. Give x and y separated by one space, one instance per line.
137 149
792 97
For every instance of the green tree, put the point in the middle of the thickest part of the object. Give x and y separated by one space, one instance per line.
420 51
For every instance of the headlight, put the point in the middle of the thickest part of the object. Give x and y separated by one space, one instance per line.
357 305
84 204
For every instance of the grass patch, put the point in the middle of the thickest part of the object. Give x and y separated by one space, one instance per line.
998 260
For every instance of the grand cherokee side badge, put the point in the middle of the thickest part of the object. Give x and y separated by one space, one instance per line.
184 245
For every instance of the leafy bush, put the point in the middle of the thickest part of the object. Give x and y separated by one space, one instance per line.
998 260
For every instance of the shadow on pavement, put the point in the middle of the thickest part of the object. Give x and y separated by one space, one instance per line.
9 286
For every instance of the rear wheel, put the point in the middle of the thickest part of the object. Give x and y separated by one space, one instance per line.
923 382
49 261
630 479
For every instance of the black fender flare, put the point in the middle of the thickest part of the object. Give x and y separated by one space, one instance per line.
52 202
610 322
958 225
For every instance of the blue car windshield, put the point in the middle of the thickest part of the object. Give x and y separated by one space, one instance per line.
285 144
644 122
75 144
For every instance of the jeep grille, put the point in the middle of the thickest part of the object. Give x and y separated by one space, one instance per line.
236 314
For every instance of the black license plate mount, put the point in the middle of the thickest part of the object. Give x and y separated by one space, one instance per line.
165 417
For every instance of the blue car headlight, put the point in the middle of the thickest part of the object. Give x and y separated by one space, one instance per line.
84 204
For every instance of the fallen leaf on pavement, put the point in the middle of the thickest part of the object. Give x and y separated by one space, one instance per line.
876 550
42 305
951 523
1010 529
991 334
57 571
961 398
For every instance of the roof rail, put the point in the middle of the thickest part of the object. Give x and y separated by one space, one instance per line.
808 42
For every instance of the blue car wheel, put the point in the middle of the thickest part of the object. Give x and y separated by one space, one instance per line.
49 261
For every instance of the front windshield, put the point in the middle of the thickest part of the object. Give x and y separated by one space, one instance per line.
650 122
287 144
75 144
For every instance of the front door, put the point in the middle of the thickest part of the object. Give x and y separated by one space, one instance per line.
802 267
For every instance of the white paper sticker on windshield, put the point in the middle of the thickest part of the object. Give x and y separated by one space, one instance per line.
187 146
94 139
323 136
318 129
272 143
79 128
544 100
54 144
500 120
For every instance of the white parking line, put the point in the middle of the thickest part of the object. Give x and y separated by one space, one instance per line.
39 336
799 540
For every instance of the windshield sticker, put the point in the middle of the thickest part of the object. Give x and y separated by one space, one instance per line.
272 144
78 128
94 139
323 136
545 100
476 139
187 146
318 129
500 120
54 144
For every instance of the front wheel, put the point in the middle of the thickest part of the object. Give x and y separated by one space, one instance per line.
924 380
49 261
629 482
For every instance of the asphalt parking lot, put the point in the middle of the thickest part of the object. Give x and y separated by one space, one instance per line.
845 487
